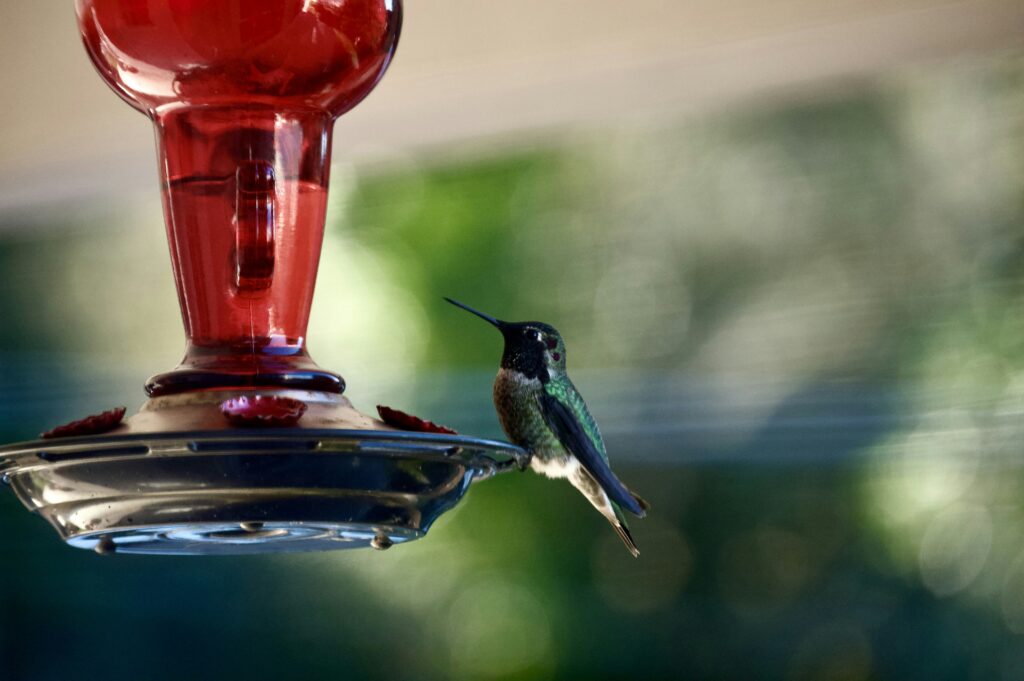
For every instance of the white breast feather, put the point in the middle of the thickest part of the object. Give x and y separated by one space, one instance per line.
555 467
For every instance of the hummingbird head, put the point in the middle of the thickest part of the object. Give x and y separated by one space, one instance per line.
534 349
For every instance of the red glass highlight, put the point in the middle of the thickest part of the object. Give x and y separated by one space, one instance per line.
243 95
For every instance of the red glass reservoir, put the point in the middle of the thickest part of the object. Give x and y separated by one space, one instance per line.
243 94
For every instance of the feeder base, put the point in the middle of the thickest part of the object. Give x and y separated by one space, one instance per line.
248 490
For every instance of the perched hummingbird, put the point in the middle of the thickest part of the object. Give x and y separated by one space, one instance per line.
541 411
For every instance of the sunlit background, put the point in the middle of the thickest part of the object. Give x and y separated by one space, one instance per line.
785 243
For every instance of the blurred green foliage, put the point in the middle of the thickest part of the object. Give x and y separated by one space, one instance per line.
800 326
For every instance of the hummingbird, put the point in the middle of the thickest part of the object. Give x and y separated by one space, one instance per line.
541 411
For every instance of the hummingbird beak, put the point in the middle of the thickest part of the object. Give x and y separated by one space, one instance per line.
486 317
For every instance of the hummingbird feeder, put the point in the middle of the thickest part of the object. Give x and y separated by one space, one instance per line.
247 446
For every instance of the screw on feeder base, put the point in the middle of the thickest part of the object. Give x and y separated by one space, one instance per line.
105 546
381 542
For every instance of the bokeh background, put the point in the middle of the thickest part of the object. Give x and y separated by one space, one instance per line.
785 243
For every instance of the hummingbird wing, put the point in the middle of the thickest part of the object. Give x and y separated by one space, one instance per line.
644 504
573 436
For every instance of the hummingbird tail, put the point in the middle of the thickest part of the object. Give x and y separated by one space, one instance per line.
626 537
599 498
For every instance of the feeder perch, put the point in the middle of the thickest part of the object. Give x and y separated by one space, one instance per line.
247 446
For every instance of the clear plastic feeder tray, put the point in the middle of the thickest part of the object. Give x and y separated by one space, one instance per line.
248 491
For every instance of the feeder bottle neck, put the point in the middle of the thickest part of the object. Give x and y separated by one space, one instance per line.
245 195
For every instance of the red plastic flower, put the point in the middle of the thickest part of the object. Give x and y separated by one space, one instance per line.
267 411
399 419
90 425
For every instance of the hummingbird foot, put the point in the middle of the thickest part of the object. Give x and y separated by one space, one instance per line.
520 460
523 461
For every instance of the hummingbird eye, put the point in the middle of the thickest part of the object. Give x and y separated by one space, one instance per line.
533 334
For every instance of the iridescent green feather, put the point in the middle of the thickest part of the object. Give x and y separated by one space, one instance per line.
564 391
